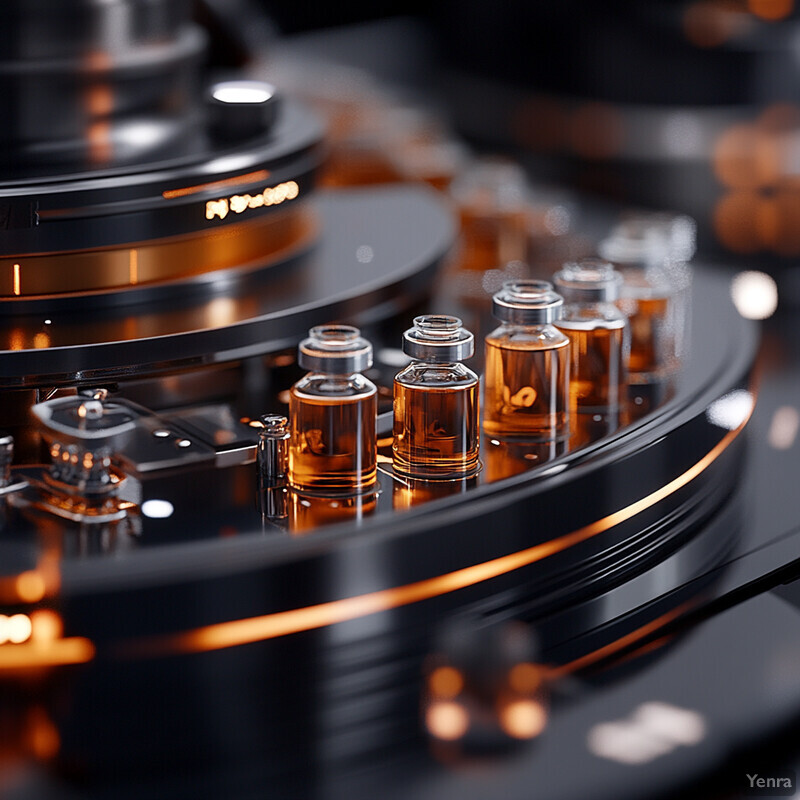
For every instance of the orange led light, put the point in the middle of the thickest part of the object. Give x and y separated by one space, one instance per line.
30 586
446 682
525 677
447 721
523 719
17 279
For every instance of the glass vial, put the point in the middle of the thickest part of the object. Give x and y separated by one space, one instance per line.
333 412
599 336
680 233
492 201
436 402
527 365
639 250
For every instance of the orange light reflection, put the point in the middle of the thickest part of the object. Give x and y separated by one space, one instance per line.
251 177
75 650
771 10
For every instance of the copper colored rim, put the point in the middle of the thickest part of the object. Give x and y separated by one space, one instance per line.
149 263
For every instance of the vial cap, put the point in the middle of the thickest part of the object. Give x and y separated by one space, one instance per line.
439 338
527 302
337 349
491 185
589 280
637 240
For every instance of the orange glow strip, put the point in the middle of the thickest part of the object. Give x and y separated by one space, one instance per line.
133 266
250 177
75 650
17 279
618 644
282 623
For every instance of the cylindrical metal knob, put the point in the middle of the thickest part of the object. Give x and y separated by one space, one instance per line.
273 450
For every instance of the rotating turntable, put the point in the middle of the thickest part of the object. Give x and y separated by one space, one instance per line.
181 644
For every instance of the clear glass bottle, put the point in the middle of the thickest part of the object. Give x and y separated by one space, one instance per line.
436 402
639 249
492 201
333 412
599 335
527 365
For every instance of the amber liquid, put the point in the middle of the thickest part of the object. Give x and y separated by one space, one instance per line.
598 380
435 430
333 444
491 239
652 337
527 389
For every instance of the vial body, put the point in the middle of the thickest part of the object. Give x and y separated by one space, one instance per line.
435 431
492 201
600 345
333 440
651 310
527 382
652 296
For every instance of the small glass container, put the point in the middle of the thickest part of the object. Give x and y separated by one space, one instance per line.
436 434
333 412
599 335
492 201
527 365
639 249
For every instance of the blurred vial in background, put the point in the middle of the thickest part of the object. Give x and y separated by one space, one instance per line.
650 296
599 334
491 198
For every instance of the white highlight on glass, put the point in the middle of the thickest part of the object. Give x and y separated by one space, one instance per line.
157 509
755 294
